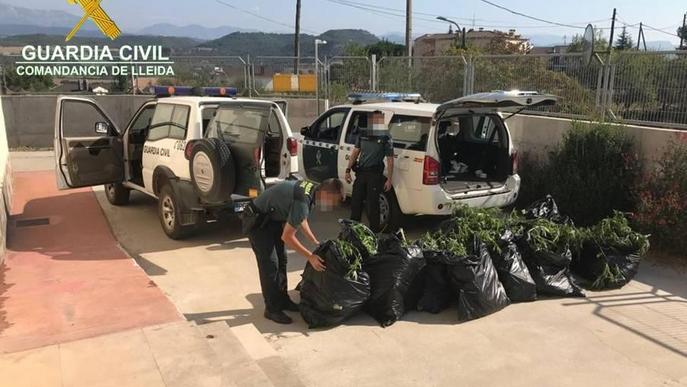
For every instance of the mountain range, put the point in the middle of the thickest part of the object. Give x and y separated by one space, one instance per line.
20 25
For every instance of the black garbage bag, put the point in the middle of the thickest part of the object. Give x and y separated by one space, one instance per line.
360 236
431 291
479 291
551 272
391 274
610 254
546 209
330 297
603 268
512 271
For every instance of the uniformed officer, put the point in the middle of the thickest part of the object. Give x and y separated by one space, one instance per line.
371 148
283 209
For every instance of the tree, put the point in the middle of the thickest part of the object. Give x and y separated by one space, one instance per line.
600 44
682 33
34 83
624 41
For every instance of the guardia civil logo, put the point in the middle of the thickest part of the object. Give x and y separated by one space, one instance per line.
93 10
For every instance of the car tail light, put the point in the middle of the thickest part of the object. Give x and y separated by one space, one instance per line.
292 145
188 151
430 171
515 161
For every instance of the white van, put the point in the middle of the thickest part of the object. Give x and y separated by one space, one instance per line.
457 152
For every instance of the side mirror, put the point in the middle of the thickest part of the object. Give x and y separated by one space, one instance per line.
102 128
305 131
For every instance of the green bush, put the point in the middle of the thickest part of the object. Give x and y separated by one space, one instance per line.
662 207
590 174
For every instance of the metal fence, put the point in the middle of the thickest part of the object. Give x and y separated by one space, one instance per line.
649 87
439 78
629 86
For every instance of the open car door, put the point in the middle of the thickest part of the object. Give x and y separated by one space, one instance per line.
496 100
88 147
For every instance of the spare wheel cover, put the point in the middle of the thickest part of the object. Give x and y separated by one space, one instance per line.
203 172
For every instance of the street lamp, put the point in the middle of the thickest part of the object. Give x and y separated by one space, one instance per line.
317 72
455 24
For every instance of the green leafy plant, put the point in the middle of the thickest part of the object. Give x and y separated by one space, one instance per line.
592 173
353 256
662 207
366 237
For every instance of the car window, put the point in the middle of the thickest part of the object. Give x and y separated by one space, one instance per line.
328 128
144 119
240 125
485 129
274 128
207 113
79 119
169 121
357 122
410 132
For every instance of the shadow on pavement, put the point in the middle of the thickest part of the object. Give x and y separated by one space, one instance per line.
657 314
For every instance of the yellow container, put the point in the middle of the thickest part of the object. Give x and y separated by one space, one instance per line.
283 83
306 83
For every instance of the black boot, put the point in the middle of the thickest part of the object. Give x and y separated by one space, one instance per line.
278 317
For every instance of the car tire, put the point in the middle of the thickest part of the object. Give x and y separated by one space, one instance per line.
170 214
213 170
390 214
117 194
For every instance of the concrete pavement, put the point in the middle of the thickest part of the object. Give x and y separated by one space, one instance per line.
630 337
65 277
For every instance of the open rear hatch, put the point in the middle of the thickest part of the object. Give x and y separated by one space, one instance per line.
473 141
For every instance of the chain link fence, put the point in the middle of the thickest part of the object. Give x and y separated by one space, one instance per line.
347 73
649 87
208 71
438 79
568 76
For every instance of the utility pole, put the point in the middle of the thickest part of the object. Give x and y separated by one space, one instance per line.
409 28
610 41
641 37
684 31
297 39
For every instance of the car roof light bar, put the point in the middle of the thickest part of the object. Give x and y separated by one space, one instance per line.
367 97
173 91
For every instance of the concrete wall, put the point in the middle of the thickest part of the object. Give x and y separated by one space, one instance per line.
30 120
5 185
537 135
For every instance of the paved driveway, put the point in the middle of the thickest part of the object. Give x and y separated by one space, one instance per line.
636 336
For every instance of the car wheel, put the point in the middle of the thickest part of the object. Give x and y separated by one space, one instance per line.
390 215
213 172
170 214
117 194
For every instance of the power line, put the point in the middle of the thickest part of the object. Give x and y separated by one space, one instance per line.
290 26
530 17
392 12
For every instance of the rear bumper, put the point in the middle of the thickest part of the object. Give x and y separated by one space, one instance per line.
433 200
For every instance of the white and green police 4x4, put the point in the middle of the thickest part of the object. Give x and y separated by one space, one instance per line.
457 152
201 156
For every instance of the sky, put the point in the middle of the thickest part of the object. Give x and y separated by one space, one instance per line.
321 15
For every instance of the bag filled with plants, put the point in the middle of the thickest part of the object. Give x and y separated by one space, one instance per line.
546 209
548 257
360 236
512 271
391 273
479 291
330 297
432 291
611 254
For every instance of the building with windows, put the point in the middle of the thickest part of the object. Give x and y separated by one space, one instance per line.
438 44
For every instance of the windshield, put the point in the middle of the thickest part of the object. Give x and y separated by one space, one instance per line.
240 124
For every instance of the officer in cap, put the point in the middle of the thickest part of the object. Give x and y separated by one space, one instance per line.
373 146
271 222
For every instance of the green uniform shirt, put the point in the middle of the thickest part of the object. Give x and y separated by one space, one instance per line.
373 150
289 201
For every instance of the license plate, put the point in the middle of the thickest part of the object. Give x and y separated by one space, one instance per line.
239 207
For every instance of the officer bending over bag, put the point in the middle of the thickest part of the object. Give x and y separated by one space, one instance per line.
271 222
367 161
